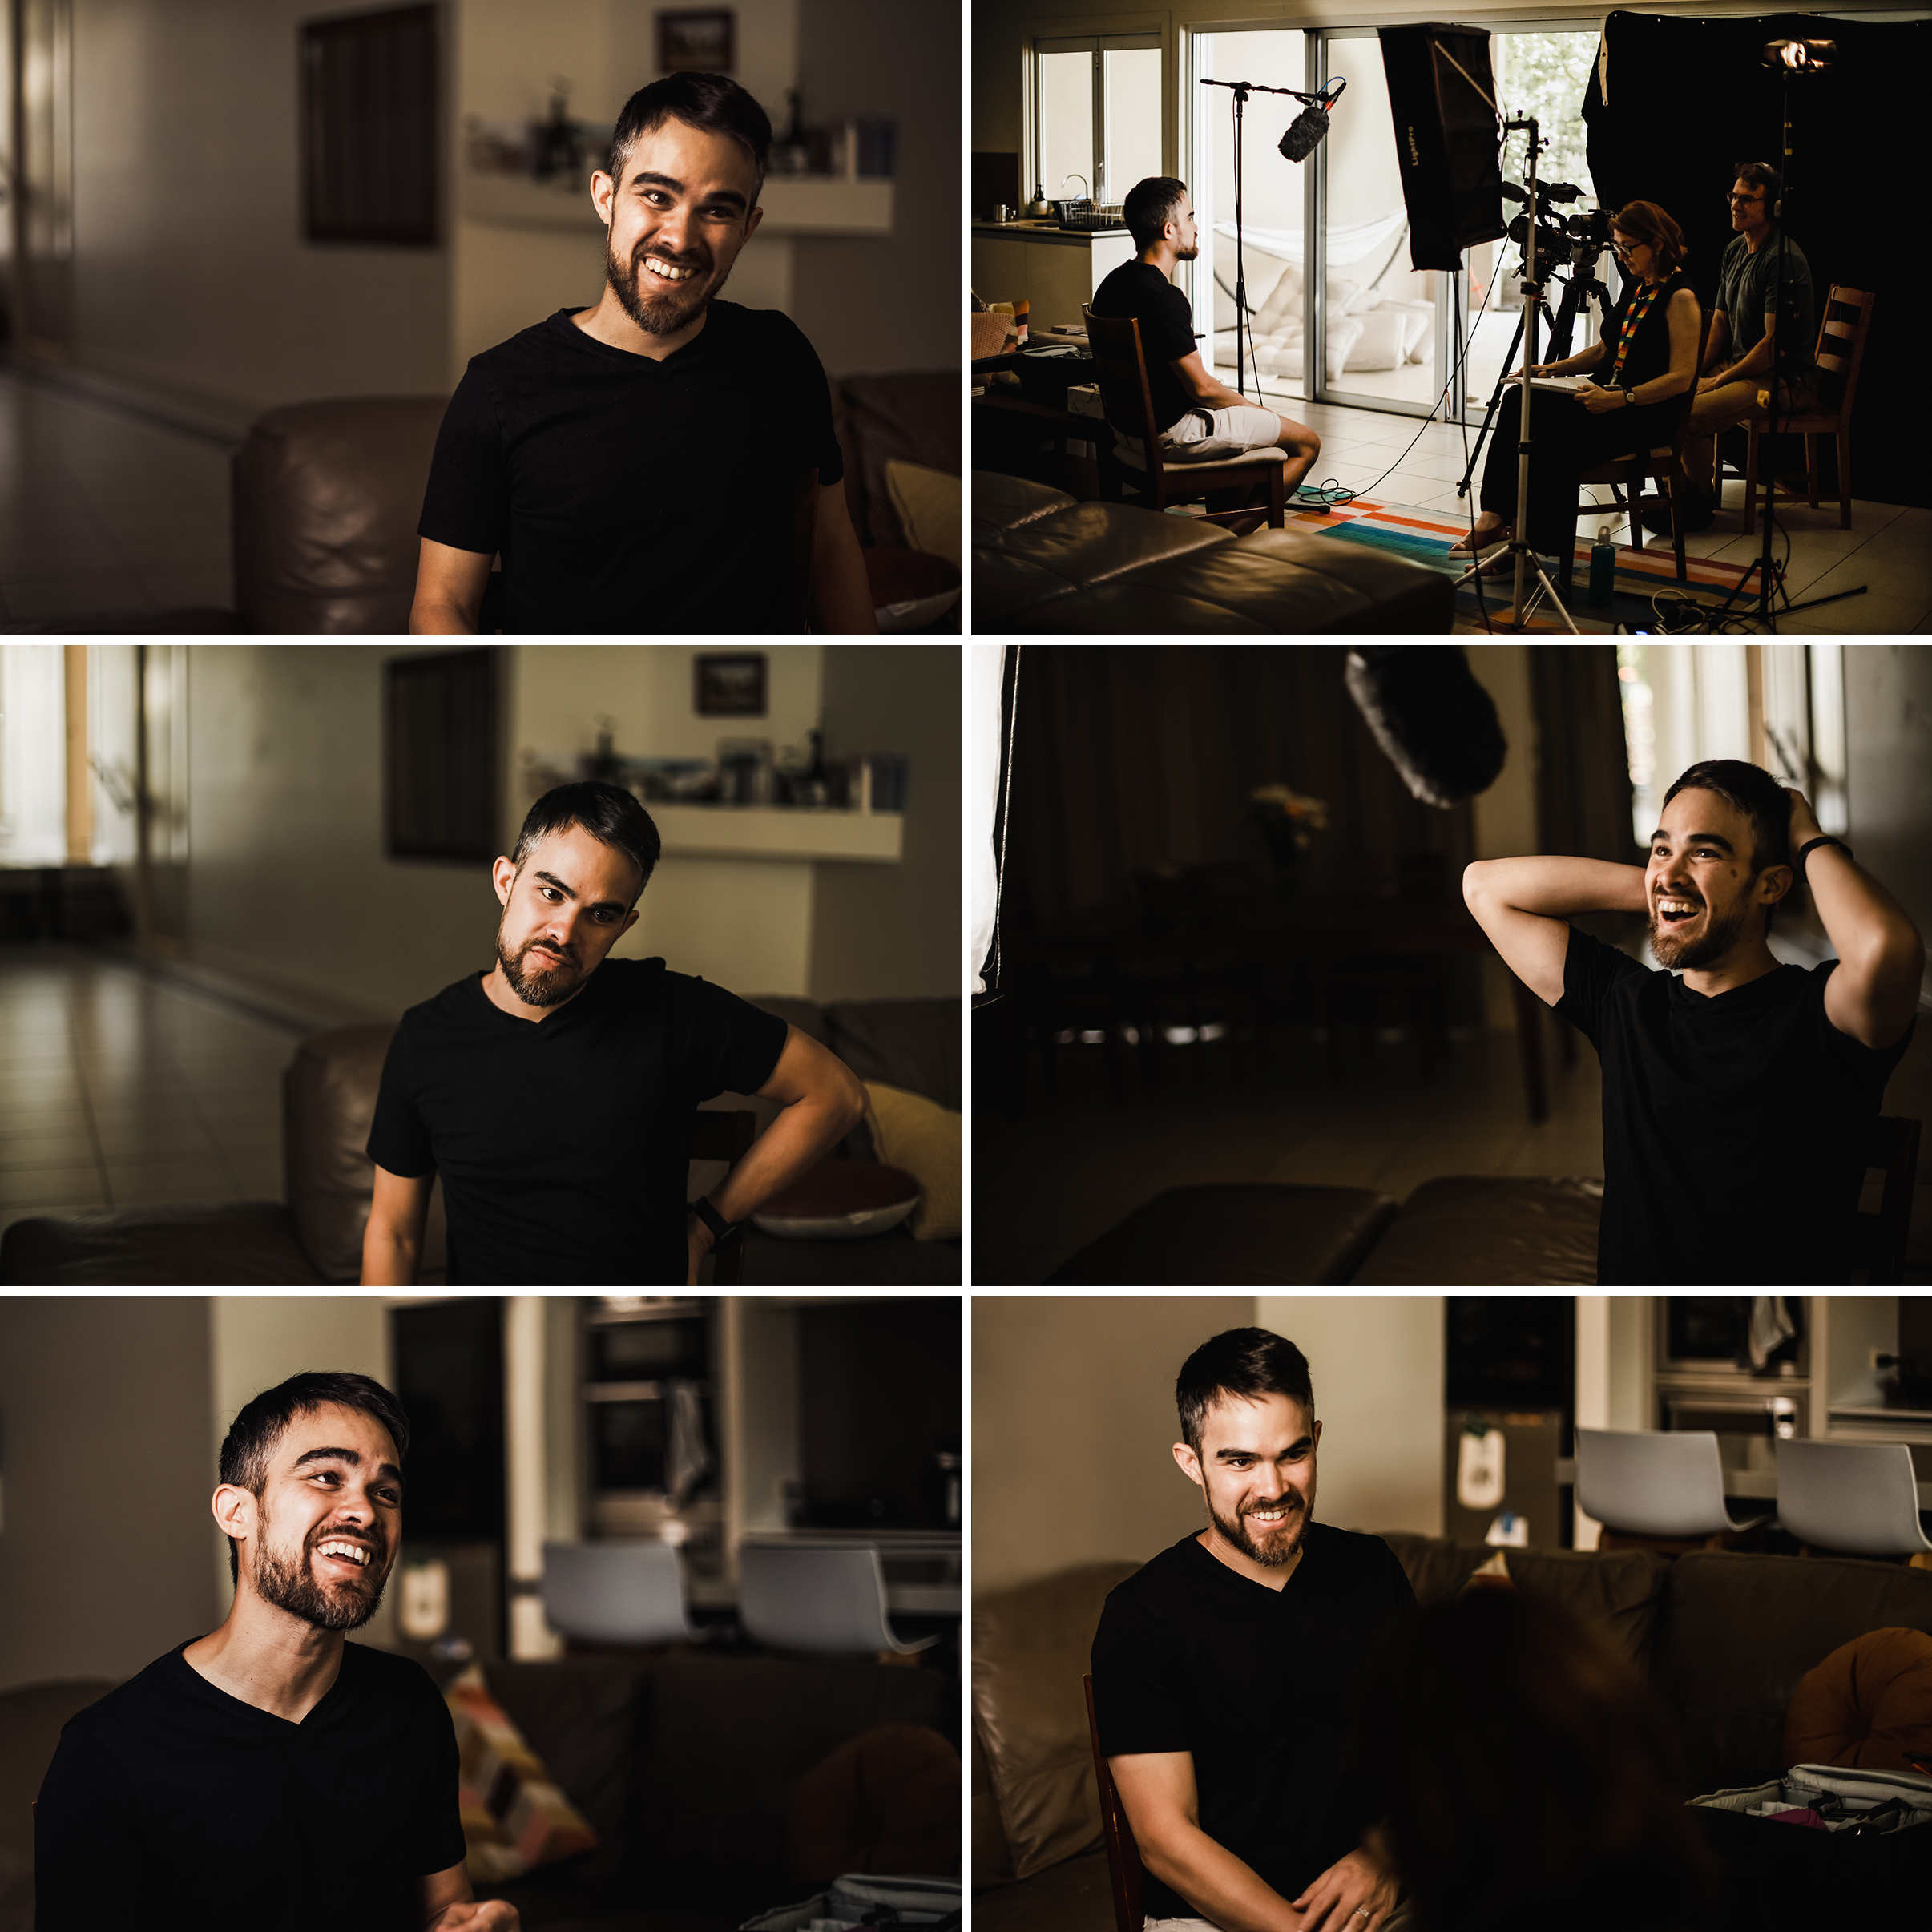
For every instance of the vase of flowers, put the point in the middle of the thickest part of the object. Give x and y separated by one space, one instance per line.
1288 823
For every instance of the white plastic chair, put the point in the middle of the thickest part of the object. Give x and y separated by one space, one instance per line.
621 1592
825 1598
1655 1483
1858 1498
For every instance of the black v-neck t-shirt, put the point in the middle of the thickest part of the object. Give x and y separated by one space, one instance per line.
170 1804
632 497
1138 289
1734 1127
563 1144
1262 1687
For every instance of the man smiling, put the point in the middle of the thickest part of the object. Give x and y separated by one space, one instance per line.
1226 1670
1738 1097
638 465
267 1776
555 1093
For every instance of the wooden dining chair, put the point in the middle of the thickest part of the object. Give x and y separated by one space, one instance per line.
718 1136
1124 1870
1661 464
1150 479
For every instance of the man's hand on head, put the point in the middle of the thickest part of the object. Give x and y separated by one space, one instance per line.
1804 820
1354 1894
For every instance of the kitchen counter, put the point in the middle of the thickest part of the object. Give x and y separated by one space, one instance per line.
1054 270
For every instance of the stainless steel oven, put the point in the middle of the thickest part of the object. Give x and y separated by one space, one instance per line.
1709 1336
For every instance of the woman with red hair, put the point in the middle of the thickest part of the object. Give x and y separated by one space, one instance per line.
1648 354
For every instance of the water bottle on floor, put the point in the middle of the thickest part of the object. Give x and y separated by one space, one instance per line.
1603 568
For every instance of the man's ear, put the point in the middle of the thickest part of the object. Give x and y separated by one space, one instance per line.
235 1512
603 192
1190 1465
1773 883
502 876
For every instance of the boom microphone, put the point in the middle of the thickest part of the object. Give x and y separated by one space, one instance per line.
1303 135
1437 725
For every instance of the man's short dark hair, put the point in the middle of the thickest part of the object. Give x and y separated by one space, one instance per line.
607 811
1760 174
1147 206
1756 794
253 1434
1242 1362
713 103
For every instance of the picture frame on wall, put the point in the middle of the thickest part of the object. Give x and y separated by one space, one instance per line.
729 684
701 41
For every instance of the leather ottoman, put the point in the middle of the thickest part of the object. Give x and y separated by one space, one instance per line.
1479 1230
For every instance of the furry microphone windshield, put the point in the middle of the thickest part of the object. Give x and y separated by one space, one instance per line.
1437 725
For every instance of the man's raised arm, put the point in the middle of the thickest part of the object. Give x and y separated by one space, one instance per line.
1522 905
1873 992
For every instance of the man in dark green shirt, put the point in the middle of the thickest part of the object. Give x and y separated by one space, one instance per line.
1761 266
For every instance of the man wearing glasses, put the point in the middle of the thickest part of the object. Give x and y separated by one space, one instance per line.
1744 334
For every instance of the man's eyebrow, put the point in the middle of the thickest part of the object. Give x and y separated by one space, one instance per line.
1698 838
602 905
644 177
1221 1455
350 1456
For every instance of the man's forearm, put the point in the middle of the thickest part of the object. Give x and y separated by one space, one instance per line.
389 1259
794 1143
841 594
1557 888
444 619
1220 1886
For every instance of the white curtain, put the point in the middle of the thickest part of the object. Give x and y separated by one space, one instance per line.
986 670
33 755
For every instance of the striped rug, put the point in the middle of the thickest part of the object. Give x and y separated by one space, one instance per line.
1424 537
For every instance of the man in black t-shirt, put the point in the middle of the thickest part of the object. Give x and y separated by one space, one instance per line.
1228 1671
554 1094
1199 419
267 1777
1739 1099
649 466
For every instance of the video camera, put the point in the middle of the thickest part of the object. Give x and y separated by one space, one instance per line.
1583 237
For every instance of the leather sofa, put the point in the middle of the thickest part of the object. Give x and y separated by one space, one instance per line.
1047 565
686 1764
1461 1230
314 1236
1723 1638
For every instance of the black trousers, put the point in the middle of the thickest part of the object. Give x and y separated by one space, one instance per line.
1565 440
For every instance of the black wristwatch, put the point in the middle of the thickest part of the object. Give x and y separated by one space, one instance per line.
1811 845
719 1227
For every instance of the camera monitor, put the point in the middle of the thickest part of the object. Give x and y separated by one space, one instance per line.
1442 96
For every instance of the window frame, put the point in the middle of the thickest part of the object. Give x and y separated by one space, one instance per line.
1098 46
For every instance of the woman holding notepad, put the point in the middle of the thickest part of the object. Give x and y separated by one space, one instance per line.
1648 358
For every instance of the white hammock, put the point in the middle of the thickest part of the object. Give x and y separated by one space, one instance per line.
1347 242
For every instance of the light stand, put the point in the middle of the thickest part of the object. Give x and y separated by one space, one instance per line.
1520 611
1789 57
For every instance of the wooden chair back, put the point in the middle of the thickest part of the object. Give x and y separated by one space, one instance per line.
718 1136
1123 1867
1843 329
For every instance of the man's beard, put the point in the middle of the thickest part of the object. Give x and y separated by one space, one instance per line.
291 1587
1192 254
1690 952
1279 1547
669 307
537 986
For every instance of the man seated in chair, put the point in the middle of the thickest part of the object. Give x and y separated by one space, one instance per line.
637 463
1199 419
268 1773
555 1093
1227 1672
1745 337
1739 1098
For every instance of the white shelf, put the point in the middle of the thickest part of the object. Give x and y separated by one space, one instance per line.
793 205
778 831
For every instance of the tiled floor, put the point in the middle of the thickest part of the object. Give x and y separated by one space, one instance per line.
117 1090
1379 1125
1887 549
104 512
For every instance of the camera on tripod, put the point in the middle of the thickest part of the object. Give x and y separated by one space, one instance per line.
1582 237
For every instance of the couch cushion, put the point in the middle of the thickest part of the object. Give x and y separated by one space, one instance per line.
1003 502
912 1043
515 1815
910 417
327 497
887 1801
1477 1230
329 1103
1031 1647
911 1132
1867 1705
241 1244
1736 1634
1256 1233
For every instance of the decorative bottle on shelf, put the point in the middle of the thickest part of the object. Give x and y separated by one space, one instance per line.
1603 568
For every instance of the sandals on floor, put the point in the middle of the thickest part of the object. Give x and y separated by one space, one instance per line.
1464 546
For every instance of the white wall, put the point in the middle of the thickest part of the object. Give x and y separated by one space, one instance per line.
1504 816
1377 1364
190 270
33 755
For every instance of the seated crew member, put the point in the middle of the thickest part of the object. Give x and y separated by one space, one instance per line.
1226 1671
1198 418
1737 1098
1744 330
1649 345
555 1093
637 464
268 1776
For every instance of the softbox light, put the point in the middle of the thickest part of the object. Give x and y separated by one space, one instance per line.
1448 145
